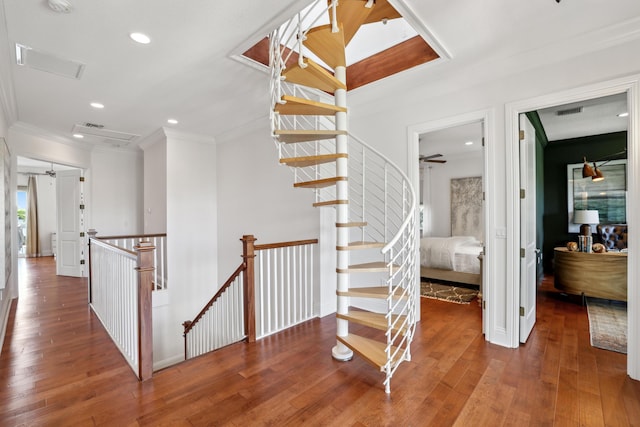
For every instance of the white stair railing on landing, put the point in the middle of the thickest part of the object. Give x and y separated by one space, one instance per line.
120 286
159 241
380 194
283 279
286 285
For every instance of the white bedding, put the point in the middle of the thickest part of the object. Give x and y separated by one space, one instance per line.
458 253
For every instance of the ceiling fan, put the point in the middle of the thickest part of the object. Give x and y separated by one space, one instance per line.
432 158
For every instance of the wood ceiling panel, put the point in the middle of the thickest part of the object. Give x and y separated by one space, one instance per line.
400 57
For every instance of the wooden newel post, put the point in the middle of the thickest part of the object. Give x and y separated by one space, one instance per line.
145 250
248 254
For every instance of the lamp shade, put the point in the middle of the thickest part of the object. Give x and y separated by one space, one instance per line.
587 216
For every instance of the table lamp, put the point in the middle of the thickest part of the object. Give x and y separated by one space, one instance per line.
586 217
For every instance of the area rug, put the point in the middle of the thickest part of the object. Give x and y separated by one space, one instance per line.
450 293
608 324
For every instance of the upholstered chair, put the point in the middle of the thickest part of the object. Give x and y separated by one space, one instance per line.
613 236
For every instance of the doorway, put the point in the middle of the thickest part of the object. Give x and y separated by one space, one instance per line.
628 87
38 202
441 152
21 211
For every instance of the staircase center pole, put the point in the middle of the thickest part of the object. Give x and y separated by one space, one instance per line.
340 351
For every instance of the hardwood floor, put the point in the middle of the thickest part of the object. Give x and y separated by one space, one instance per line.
58 367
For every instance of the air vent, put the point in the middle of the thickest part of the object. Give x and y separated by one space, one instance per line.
569 111
94 125
47 62
91 129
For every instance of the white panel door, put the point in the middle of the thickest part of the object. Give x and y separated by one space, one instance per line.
69 227
528 270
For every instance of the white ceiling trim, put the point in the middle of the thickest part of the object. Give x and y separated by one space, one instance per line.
412 18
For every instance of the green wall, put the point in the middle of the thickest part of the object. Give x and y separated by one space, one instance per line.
557 155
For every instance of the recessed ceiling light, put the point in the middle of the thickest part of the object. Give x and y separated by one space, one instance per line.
60 6
140 38
623 114
97 105
78 135
468 143
172 121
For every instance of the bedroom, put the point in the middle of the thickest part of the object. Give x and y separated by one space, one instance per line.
451 204
570 137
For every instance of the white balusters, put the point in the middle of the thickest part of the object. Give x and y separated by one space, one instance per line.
221 323
285 287
114 296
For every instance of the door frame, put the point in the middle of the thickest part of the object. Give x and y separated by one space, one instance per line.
413 135
630 86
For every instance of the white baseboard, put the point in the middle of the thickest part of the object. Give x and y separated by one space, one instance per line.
6 306
173 360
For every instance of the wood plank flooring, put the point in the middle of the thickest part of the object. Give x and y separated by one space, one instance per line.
58 367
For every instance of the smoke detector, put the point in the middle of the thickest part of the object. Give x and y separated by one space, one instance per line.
60 6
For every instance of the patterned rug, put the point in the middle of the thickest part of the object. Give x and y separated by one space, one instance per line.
608 324
450 293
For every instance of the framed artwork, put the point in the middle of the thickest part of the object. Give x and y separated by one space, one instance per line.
466 207
608 197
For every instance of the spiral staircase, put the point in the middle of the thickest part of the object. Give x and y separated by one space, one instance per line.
374 201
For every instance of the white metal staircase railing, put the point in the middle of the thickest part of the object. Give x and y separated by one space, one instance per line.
376 222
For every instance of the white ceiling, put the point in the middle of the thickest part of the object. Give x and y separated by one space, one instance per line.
186 72
591 117
451 142
595 117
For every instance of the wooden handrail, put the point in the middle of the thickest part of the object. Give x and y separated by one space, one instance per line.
191 323
285 244
131 236
97 241
248 286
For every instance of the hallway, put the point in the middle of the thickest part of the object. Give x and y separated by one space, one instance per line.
59 367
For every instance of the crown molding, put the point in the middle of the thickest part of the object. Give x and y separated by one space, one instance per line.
164 134
28 129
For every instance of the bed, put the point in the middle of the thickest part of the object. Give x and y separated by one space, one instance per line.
453 259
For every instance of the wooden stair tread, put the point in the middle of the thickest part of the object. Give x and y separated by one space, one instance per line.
382 10
306 107
352 14
370 350
320 183
301 162
367 318
369 267
379 292
327 45
330 203
313 76
351 224
360 245
294 136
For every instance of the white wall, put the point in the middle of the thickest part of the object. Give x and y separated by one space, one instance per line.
256 196
155 183
11 290
437 191
435 92
190 208
116 189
